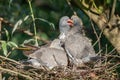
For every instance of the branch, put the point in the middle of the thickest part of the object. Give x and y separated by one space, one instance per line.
14 72
83 5
5 58
68 2
113 10
0 26
97 36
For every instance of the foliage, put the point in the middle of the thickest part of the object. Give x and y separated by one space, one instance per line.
36 22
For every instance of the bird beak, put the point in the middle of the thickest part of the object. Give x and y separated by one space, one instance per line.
70 22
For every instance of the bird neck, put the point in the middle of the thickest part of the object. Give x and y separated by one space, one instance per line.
62 36
76 30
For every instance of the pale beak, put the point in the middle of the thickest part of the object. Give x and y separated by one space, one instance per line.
70 22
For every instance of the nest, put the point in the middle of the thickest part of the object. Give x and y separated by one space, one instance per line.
102 70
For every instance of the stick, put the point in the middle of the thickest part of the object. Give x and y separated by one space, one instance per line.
17 73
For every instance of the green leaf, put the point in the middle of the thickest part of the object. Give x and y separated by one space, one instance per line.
17 25
7 34
108 1
28 41
51 24
4 47
19 22
10 3
26 17
12 44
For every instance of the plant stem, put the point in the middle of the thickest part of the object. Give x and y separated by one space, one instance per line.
33 18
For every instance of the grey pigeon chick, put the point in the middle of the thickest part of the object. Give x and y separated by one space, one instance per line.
49 57
77 45
53 55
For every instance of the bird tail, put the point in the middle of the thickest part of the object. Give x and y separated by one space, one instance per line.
96 58
92 59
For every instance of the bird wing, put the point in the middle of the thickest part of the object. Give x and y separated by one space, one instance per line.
79 46
61 57
50 57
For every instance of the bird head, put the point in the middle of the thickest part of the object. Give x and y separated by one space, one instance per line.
76 20
65 21
78 25
65 24
56 43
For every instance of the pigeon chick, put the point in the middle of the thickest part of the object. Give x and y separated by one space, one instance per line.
50 56
77 45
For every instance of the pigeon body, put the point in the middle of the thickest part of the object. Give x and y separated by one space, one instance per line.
77 45
50 56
